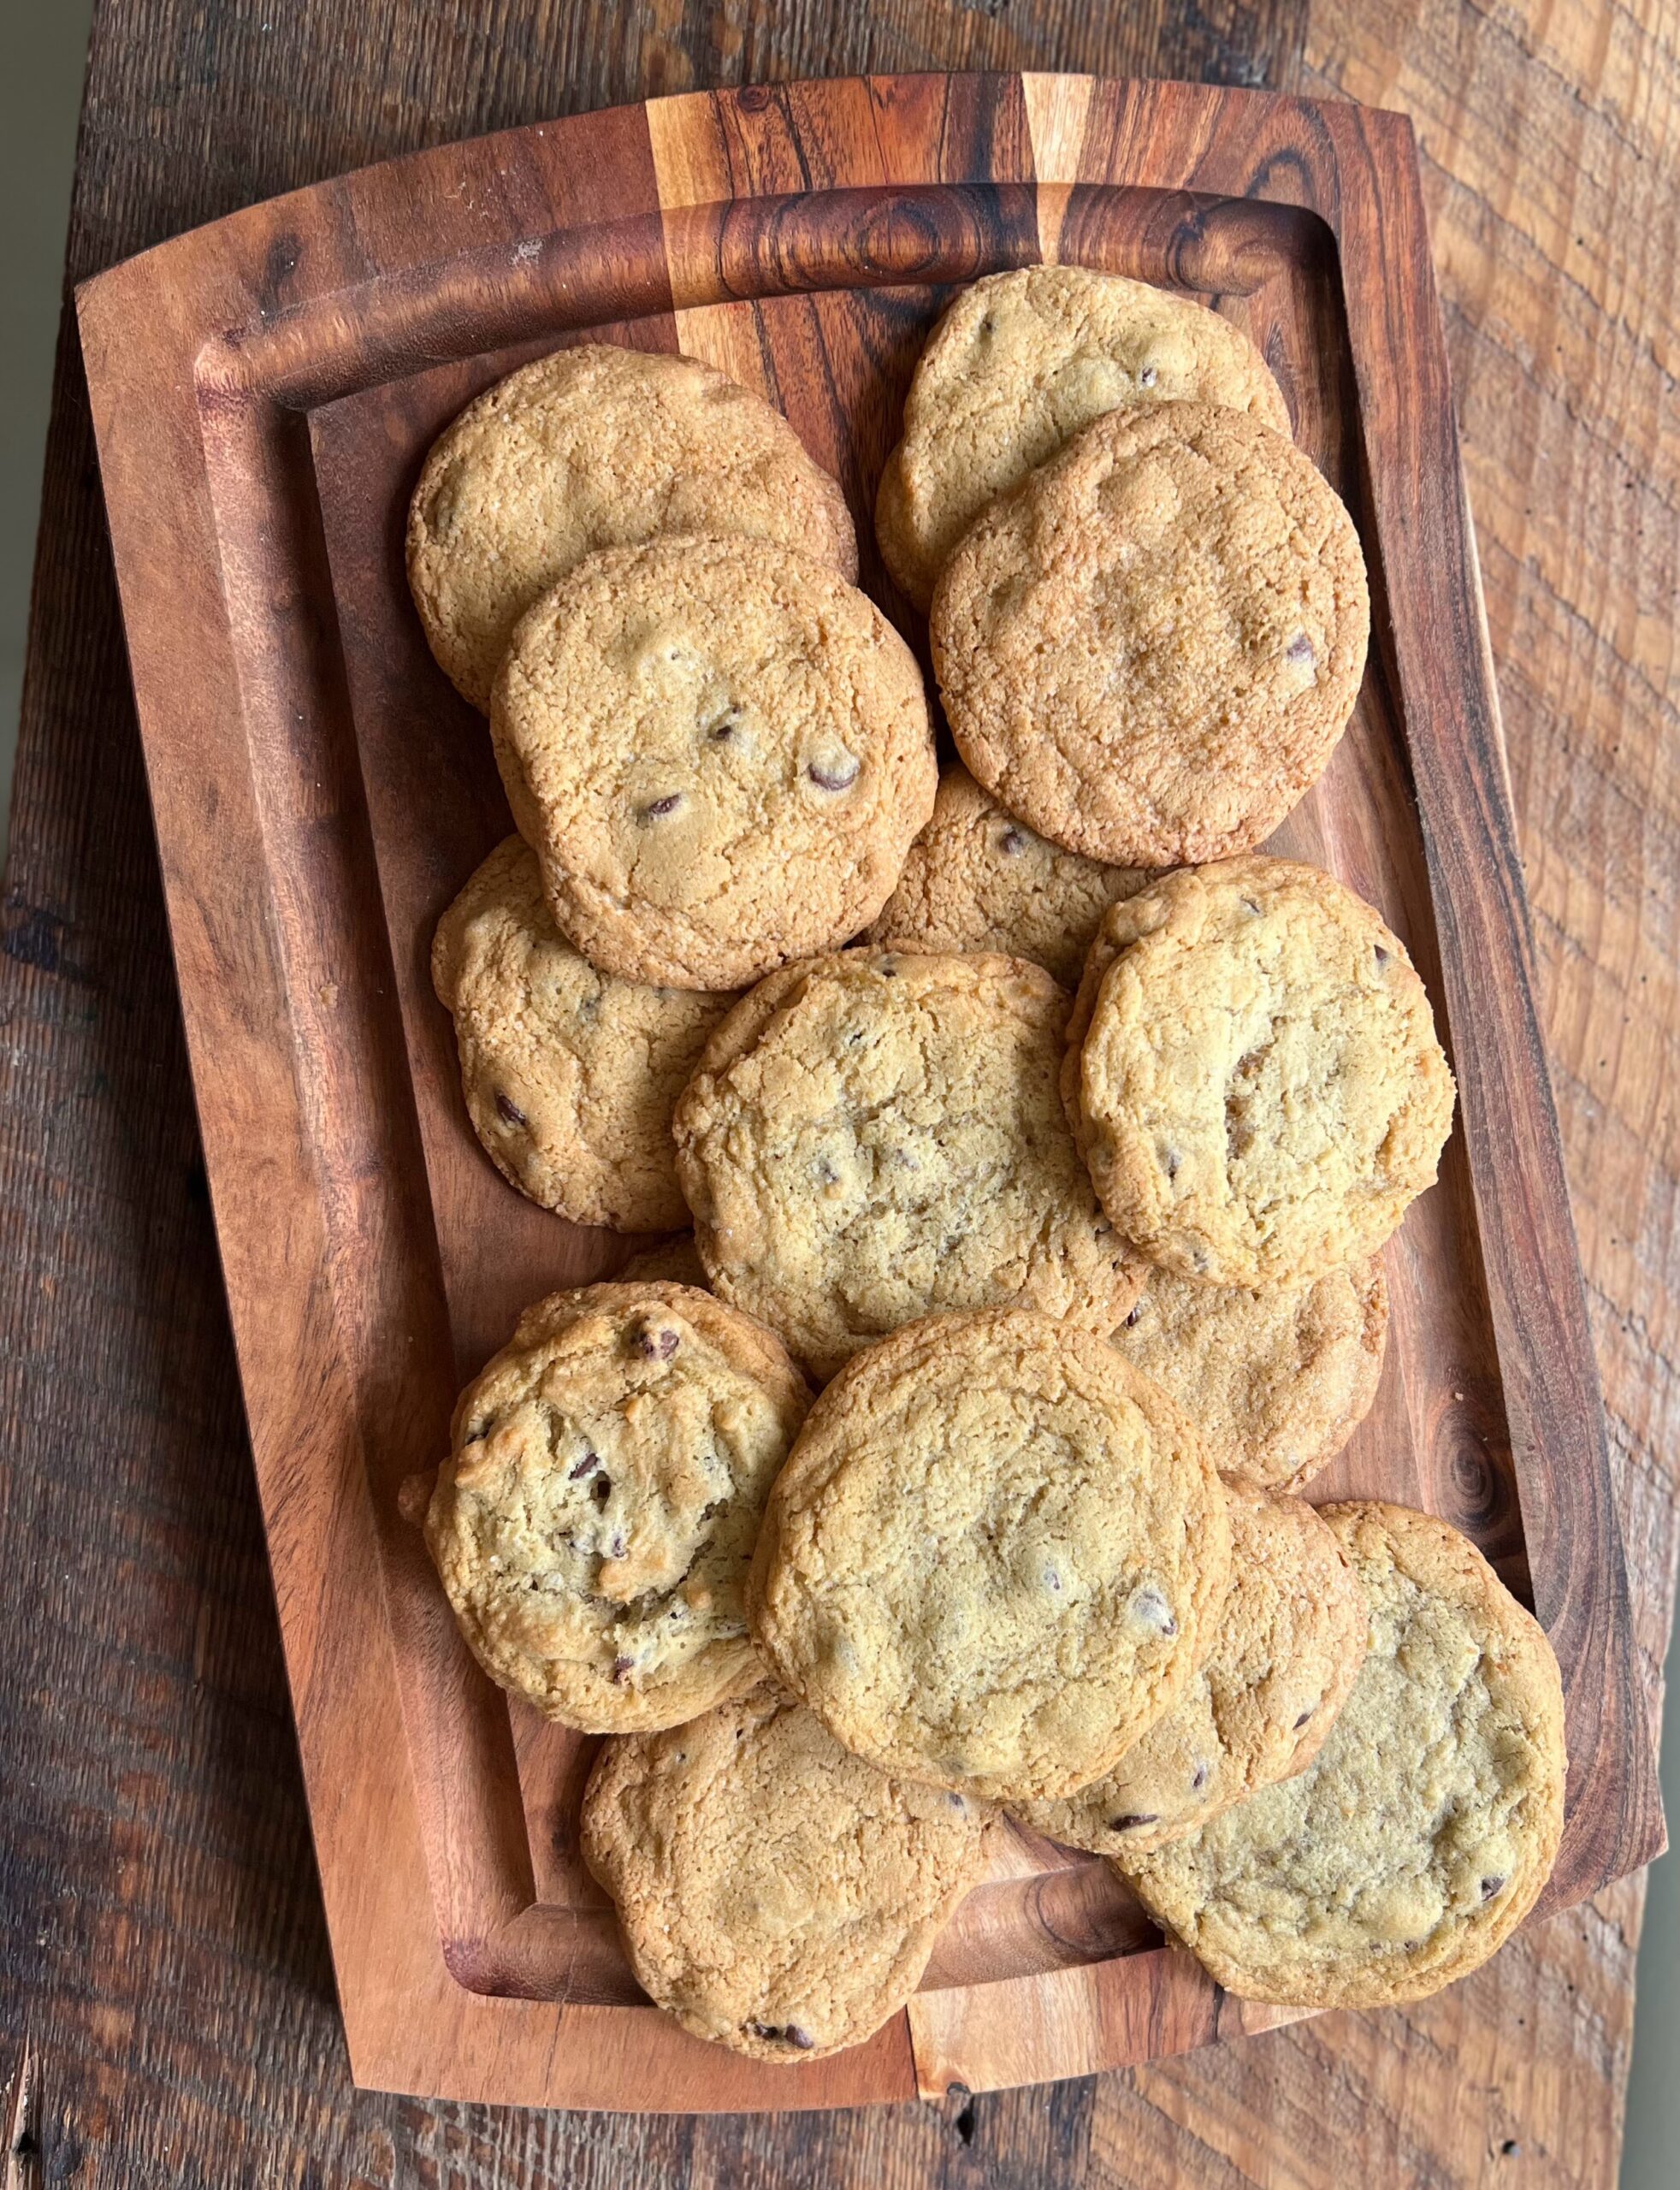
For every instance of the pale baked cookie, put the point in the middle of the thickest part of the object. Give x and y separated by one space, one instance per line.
1290 1639
1277 1382
978 879
721 754
569 1076
775 1894
1150 649
677 1261
995 1558
875 1135
593 447
1422 1834
595 1520
1260 1090
1018 365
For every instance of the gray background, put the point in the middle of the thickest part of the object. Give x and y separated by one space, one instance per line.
41 46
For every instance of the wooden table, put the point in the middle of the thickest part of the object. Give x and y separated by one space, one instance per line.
166 2004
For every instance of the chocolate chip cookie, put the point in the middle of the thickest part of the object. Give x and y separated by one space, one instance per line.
875 1135
595 1520
776 1895
1018 365
978 879
569 1076
720 753
1422 1832
1148 650
1277 1382
1291 1636
995 1558
1260 1091
594 447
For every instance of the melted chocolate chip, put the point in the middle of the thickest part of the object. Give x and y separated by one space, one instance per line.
1491 1887
621 1667
1148 1606
1171 1161
509 1110
788 2035
617 1549
840 777
1148 377
587 1465
656 1342
659 808
1299 650
1199 1779
602 1489
1132 1819
724 729
1134 1318
1011 842
1302 1720
1249 906
1382 955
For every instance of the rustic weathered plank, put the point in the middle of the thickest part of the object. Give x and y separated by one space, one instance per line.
181 1980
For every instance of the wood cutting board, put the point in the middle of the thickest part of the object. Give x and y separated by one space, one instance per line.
264 392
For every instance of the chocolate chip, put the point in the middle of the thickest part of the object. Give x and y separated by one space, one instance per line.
1492 1885
1302 1720
602 1489
1299 650
617 1549
1052 1579
1382 955
955 1800
840 777
724 729
1011 842
659 808
656 1342
988 327
1251 907
587 1465
510 1111
1171 1161
1134 1318
1134 1819
1199 1780
1151 1607
789 2034
621 1666
1148 377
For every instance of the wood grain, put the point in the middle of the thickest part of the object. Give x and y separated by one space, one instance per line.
159 1782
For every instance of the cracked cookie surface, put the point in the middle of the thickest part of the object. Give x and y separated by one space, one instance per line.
720 753
876 1135
1148 650
1277 1382
597 446
978 879
1260 1094
995 1557
1018 365
593 1523
1290 1639
776 1894
569 1076
1422 1834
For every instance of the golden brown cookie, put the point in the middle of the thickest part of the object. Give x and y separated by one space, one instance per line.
597 446
978 879
1290 1639
1148 650
569 1076
720 752
875 1135
1422 1832
995 1558
1260 1090
594 1522
1277 1382
1019 363
776 1895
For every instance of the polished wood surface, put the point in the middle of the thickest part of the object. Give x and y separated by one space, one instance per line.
139 1803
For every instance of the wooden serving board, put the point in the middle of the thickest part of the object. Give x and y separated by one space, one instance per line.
263 390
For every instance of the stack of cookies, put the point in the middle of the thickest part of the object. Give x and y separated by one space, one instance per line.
1040 1139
